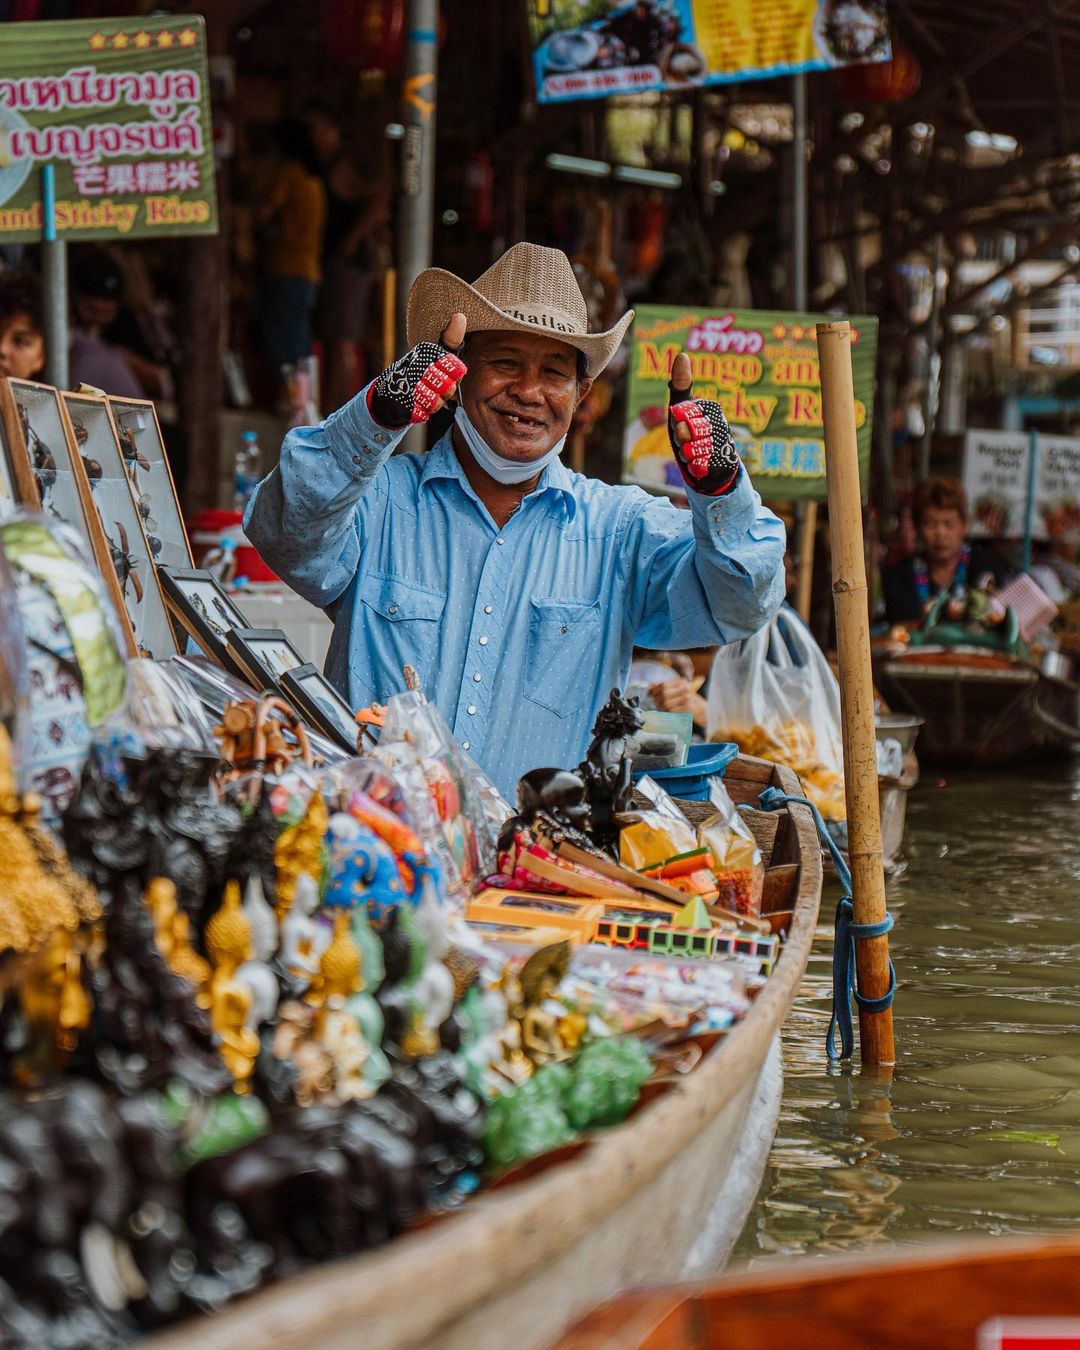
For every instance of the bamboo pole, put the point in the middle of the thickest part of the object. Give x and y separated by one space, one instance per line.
804 577
856 683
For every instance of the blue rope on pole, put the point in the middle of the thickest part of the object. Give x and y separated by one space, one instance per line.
846 930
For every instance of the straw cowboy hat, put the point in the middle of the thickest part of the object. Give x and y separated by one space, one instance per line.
529 290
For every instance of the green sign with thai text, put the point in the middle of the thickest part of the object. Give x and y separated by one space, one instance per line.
120 108
761 366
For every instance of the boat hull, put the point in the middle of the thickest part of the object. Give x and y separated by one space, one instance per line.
662 1196
982 712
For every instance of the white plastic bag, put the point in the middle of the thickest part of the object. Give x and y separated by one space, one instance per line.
776 696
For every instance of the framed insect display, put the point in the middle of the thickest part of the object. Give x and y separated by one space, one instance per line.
95 457
320 704
17 482
48 477
263 655
201 609
150 479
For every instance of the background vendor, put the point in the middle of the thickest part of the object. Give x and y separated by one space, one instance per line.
946 560
515 588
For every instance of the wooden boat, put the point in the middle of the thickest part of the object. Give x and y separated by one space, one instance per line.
663 1196
982 707
975 1294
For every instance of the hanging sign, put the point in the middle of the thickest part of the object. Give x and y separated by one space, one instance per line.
997 471
594 48
1057 488
121 109
761 366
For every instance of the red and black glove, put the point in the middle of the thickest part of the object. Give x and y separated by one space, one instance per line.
708 459
410 390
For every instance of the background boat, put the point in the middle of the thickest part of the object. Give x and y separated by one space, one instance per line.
930 1298
980 707
662 1197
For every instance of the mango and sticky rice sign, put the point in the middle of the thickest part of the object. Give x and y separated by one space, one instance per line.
120 108
761 366
595 48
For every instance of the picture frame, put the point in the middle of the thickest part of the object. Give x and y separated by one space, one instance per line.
262 655
202 610
320 705
39 435
150 478
97 460
17 482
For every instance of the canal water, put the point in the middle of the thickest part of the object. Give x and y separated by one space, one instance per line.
979 1129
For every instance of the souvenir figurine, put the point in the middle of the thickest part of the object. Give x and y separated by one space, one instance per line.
228 944
300 850
147 1028
294 1041
261 920
172 935
303 940
363 870
54 1006
557 794
539 979
606 769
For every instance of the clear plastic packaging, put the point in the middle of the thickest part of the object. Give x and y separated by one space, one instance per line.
737 868
776 696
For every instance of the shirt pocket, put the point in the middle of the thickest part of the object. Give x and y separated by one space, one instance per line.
405 621
562 657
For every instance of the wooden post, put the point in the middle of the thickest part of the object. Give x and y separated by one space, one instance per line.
389 299
856 682
804 577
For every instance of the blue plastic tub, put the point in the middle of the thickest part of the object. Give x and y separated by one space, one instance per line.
690 781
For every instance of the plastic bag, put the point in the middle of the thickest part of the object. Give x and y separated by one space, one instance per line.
776 696
737 867
659 833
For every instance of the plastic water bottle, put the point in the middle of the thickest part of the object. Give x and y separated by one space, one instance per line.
247 470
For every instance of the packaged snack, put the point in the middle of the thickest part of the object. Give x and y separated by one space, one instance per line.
737 867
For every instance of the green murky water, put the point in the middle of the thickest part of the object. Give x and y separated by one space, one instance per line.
979 1129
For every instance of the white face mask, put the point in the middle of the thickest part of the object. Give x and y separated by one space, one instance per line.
496 466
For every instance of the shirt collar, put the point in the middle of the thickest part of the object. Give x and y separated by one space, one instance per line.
441 461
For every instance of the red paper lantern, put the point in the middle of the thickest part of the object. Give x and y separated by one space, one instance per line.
883 82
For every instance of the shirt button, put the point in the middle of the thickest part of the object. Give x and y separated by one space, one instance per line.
357 460
500 540
488 609
564 629
464 745
478 677
471 709
483 642
393 610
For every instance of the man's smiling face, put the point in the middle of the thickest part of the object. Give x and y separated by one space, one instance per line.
521 391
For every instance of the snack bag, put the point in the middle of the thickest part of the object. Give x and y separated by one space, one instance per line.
776 696
737 866
661 831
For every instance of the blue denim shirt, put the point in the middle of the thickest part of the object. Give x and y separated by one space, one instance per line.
518 634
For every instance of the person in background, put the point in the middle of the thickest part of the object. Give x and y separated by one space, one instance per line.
22 335
357 209
294 219
97 286
946 560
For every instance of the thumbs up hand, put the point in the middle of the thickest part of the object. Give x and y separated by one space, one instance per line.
419 383
700 437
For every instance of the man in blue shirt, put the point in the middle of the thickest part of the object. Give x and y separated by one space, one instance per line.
515 588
